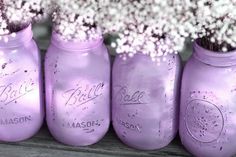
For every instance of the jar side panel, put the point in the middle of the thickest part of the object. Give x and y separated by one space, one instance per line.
143 102
207 109
78 95
21 93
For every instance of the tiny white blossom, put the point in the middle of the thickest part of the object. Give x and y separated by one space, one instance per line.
215 23
17 14
76 20
153 27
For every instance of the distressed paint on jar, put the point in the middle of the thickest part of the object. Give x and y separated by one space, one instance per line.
77 91
21 99
145 100
208 110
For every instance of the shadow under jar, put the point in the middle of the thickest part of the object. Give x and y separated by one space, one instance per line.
145 100
208 110
77 91
21 107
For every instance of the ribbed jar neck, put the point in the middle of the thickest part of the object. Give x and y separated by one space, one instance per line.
218 59
20 38
75 46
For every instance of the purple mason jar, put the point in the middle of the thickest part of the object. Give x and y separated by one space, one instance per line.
208 110
21 108
77 91
145 100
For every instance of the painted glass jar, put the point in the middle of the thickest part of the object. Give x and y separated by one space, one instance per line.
145 100
208 110
21 107
77 90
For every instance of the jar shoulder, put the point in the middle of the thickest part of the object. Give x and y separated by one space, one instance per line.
199 75
143 64
89 61
24 53
196 67
55 52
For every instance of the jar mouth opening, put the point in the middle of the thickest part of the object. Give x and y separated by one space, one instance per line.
213 53
18 34
217 59
73 45
17 38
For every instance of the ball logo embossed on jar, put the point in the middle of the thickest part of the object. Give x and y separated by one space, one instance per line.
124 97
11 92
83 94
204 121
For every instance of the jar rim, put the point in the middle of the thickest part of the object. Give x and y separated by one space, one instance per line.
213 57
20 37
74 46
214 53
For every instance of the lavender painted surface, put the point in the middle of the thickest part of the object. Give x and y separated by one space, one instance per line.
145 100
77 91
208 110
21 108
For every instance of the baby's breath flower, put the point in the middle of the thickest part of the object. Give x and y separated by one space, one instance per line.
215 23
17 14
76 20
153 27
3 23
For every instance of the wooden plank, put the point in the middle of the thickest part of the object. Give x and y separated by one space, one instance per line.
110 145
24 151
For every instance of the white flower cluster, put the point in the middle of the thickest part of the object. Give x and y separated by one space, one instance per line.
76 20
114 15
4 29
153 27
3 25
215 23
17 14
